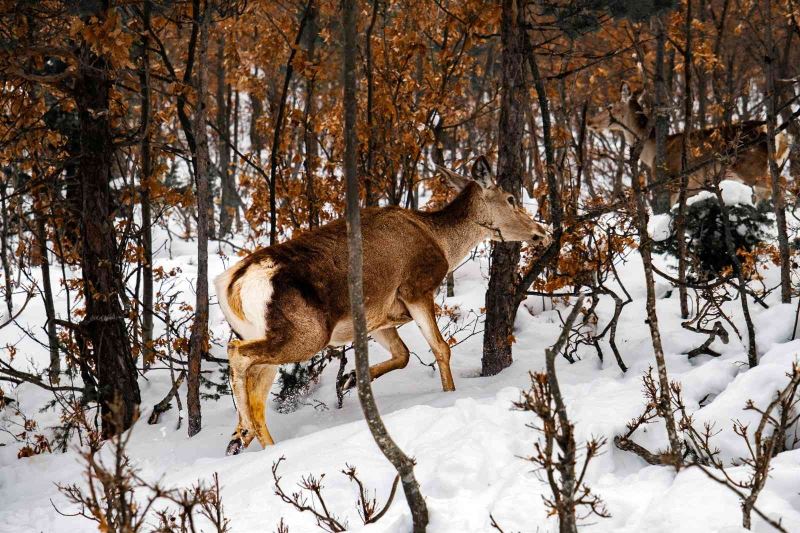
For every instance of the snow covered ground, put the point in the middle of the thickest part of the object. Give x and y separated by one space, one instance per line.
469 445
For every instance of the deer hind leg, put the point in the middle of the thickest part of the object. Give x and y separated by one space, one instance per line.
259 380
244 432
253 365
390 340
423 313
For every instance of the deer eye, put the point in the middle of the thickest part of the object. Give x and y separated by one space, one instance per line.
511 200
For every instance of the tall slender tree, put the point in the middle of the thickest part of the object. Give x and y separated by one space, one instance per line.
198 341
402 463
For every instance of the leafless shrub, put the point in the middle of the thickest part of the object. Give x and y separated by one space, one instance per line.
119 500
769 439
561 469
282 527
776 432
650 414
709 318
368 508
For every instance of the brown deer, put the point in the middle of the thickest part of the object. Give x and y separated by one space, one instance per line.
289 301
748 166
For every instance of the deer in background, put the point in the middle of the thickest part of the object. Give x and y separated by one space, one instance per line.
289 301
748 166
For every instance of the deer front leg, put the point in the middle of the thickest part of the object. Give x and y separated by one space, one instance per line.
390 340
423 313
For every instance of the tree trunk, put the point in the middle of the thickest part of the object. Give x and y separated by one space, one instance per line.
501 308
402 463
278 131
664 407
680 219
198 341
702 84
778 200
311 161
661 193
104 321
230 200
370 196
7 274
148 353
54 370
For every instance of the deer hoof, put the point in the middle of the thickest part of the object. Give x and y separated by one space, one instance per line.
348 381
235 446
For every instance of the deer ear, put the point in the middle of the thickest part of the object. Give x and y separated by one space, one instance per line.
482 172
625 91
456 180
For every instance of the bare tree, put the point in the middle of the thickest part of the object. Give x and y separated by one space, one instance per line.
146 230
778 200
645 248
198 341
229 198
402 463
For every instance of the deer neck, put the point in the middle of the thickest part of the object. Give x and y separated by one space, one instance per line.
460 225
635 130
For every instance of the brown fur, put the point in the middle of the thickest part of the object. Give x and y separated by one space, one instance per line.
749 165
407 255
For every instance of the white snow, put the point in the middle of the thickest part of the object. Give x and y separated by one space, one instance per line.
659 227
733 193
469 445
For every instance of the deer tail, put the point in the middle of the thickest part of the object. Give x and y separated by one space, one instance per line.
244 291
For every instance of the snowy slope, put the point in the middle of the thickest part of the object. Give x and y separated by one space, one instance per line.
468 444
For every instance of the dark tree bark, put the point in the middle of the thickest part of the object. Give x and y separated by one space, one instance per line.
556 213
569 481
680 219
278 131
229 200
148 353
752 351
311 161
501 303
661 194
104 322
256 112
47 294
7 274
702 78
778 200
402 463
198 341
370 197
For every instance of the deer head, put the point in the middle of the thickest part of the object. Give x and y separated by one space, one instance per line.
626 115
498 211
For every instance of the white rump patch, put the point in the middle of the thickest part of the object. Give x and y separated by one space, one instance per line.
255 291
